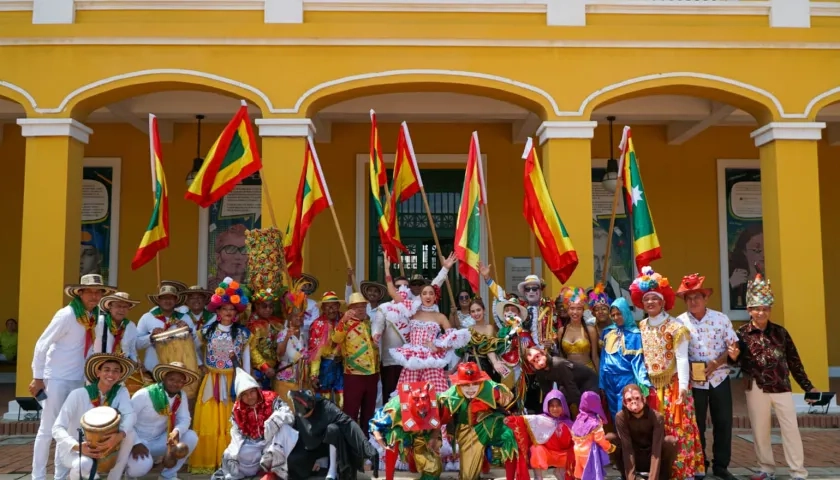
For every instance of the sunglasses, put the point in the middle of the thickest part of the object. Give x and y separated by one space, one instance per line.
532 289
463 297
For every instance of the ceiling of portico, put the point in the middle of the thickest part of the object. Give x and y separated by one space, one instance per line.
684 114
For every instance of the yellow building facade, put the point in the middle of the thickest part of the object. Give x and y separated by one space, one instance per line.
710 87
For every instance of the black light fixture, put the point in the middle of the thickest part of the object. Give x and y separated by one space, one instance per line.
197 161
611 177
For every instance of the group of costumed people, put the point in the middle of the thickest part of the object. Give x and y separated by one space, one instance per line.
283 386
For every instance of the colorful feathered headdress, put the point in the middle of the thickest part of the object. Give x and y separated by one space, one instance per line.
574 295
597 296
294 301
651 282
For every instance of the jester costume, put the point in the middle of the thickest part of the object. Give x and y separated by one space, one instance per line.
478 418
264 332
325 356
408 425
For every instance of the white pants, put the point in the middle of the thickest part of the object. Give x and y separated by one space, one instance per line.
157 448
74 463
251 453
758 407
57 392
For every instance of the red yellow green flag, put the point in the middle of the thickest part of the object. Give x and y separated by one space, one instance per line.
645 240
156 237
541 214
405 184
377 175
468 230
232 158
312 198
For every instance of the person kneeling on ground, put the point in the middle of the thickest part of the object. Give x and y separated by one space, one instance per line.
643 446
261 436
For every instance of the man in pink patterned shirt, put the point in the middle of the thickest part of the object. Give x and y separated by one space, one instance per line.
712 338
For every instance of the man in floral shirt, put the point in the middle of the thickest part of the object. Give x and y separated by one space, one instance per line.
712 338
768 359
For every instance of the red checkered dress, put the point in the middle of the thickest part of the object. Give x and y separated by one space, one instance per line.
421 363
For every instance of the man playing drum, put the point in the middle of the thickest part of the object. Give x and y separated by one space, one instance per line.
160 319
58 363
115 332
107 430
163 421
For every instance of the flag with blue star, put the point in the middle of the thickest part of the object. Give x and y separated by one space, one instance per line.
645 241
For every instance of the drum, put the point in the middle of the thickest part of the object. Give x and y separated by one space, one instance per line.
177 345
97 423
139 379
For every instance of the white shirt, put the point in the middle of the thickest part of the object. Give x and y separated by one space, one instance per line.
59 352
146 325
309 316
150 424
390 337
710 337
680 350
128 343
66 427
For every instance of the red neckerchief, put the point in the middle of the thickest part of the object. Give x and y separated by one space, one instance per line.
251 419
173 411
167 324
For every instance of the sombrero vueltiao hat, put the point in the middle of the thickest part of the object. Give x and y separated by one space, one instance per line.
310 283
693 283
90 281
366 286
197 289
97 359
180 286
105 303
161 369
164 291
418 279
500 309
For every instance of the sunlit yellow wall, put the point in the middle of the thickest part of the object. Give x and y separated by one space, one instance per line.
12 149
829 204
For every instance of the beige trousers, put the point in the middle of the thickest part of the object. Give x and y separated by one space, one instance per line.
758 407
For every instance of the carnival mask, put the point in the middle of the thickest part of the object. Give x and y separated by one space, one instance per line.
303 401
421 401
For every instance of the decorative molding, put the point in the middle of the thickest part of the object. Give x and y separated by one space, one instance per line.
549 130
16 5
363 190
54 127
678 7
787 131
285 127
53 12
157 71
723 238
169 4
825 9
26 95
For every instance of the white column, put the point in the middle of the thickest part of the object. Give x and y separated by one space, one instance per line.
578 129
55 127
286 127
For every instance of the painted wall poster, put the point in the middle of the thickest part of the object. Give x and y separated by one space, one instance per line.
225 254
741 232
621 267
99 247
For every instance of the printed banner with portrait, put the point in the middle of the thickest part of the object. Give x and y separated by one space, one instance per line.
742 237
621 267
100 218
227 220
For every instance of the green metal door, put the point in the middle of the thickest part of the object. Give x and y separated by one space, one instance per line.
443 189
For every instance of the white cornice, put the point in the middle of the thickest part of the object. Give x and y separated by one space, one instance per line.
169 4
787 131
285 127
678 7
54 127
16 5
825 9
550 130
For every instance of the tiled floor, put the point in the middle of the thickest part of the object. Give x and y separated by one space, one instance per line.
822 457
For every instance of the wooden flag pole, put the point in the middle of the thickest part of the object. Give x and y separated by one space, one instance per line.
616 195
344 247
157 267
399 254
437 242
533 245
490 241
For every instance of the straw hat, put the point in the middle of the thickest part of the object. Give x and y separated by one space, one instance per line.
366 286
310 284
97 359
356 298
162 369
108 300
197 289
180 286
90 281
167 290
330 297
418 279
530 280
500 309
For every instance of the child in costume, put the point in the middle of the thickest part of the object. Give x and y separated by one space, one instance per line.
474 404
552 435
264 327
226 345
292 355
326 370
408 426
591 445
261 436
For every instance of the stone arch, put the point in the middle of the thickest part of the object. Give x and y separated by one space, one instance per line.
821 101
87 98
519 93
14 93
759 103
